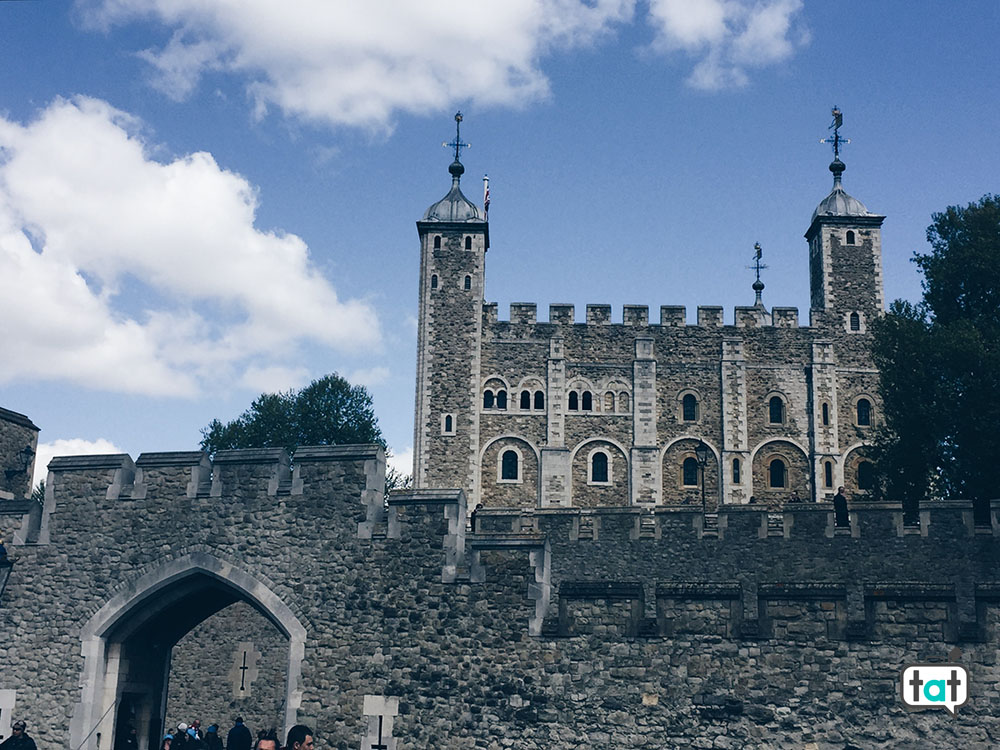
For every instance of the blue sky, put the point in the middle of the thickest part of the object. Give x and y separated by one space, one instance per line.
201 200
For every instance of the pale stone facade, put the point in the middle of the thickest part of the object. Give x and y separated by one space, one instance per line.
551 395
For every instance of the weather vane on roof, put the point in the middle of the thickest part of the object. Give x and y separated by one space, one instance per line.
836 140
457 143
758 285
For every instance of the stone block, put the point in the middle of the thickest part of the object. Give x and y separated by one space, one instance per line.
710 316
785 317
598 315
635 315
524 313
561 314
673 315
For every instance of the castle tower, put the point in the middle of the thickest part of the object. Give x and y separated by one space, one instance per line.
845 272
454 237
845 261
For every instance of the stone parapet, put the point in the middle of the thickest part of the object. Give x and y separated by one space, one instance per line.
635 315
598 315
561 314
524 313
710 316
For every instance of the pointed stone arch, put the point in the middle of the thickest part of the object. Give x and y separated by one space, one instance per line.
148 596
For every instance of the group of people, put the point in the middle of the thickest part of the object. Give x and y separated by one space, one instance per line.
185 737
191 737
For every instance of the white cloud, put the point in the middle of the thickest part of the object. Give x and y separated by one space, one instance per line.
121 272
360 62
369 376
68 447
402 461
357 62
727 37
274 379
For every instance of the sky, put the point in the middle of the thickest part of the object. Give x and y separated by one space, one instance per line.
202 200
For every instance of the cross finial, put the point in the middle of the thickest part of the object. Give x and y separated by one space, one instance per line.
836 140
457 143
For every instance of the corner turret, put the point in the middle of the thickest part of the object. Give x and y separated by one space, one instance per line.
454 237
845 255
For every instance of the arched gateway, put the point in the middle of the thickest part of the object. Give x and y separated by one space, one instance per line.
129 639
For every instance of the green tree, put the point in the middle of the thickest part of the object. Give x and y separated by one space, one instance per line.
940 365
328 411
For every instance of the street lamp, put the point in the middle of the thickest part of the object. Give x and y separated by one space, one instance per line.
23 464
701 455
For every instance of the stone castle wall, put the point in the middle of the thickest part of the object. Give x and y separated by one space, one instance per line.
203 684
473 369
547 628
769 358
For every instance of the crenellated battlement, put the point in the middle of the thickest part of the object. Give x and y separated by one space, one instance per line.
671 316
311 537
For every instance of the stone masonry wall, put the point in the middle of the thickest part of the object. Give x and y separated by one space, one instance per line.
599 356
203 683
653 632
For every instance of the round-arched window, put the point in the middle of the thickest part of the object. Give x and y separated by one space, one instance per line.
599 467
689 472
777 474
864 412
509 465
866 475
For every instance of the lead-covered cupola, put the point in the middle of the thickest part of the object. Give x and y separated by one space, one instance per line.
839 202
455 207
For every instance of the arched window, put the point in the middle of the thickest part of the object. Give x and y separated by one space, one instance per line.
826 415
689 472
828 474
850 237
488 399
866 475
501 399
855 322
776 411
437 242
777 474
574 401
508 466
599 467
525 400
539 400
468 243
689 407
434 281
736 471
588 401
449 423
468 283
609 402
864 412
623 402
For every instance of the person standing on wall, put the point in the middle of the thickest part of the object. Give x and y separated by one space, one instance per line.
840 516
